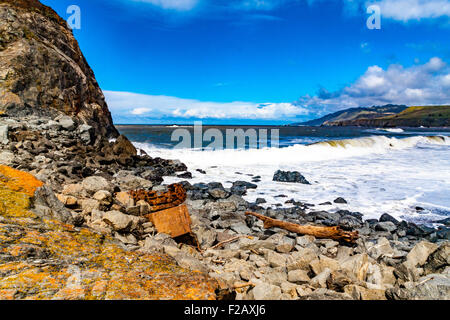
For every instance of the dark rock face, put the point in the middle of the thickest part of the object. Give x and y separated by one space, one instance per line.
290 176
42 68
240 187
340 200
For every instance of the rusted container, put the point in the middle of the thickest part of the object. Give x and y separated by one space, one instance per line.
174 221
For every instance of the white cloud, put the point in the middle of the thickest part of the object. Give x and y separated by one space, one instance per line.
123 104
425 84
140 111
180 5
405 10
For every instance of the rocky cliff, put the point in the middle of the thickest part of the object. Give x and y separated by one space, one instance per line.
42 69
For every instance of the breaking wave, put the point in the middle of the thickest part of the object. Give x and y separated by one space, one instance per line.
320 151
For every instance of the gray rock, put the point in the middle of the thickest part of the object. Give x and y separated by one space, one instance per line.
118 221
320 281
301 259
6 158
386 217
67 123
4 134
290 176
430 287
206 237
349 222
255 244
126 238
298 276
381 249
131 182
387 226
103 197
340 200
439 259
420 253
218 193
47 205
96 183
305 241
241 228
265 291
85 133
275 259
190 263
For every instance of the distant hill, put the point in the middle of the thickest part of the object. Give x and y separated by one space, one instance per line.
356 113
427 116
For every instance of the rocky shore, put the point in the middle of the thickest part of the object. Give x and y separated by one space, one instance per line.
87 182
75 198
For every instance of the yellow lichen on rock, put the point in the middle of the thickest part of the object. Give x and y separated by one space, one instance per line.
43 259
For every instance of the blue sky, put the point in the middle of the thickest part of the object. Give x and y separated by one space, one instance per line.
261 61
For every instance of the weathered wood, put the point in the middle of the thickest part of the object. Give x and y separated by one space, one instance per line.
335 233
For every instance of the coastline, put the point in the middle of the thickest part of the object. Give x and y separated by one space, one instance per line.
391 260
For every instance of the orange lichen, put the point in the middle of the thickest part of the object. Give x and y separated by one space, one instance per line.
19 181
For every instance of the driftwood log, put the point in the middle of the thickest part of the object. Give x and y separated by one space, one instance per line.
335 233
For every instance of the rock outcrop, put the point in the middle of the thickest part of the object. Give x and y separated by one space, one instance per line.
43 258
42 69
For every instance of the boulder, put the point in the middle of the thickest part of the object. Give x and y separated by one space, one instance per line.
75 190
381 249
387 226
356 265
430 287
340 200
88 205
386 217
131 182
103 197
323 262
265 291
298 276
320 281
190 263
290 176
218 193
438 260
95 183
241 228
118 221
47 205
301 259
360 293
6 158
275 259
125 199
420 253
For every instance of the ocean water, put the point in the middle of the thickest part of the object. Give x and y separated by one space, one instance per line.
376 170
